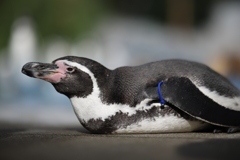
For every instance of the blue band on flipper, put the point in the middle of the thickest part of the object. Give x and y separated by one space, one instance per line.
162 101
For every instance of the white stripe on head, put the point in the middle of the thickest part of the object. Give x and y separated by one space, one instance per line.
86 70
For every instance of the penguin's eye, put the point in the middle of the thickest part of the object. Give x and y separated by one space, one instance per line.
70 69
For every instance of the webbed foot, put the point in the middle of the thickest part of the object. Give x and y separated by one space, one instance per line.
233 130
226 130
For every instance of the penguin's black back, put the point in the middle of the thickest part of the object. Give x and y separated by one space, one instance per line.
128 82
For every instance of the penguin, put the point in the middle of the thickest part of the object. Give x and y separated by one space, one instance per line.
158 97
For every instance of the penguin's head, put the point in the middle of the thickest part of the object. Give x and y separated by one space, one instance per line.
71 76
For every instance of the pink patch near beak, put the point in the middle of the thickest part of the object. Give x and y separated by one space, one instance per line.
58 75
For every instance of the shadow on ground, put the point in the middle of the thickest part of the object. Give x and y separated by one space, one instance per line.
74 142
211 149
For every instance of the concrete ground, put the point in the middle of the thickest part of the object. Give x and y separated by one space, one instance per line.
74 142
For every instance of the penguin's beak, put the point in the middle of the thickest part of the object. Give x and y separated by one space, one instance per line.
45 71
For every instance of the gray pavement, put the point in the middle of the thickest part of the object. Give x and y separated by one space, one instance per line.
74 142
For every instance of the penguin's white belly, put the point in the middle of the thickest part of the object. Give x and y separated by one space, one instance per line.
161 124
92 109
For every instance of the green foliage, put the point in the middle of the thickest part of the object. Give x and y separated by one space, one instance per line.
66 18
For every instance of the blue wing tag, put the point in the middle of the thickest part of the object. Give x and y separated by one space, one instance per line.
162 101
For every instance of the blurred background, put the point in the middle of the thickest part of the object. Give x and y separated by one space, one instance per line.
112 32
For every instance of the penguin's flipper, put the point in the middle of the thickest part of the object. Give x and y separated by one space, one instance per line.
185 95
